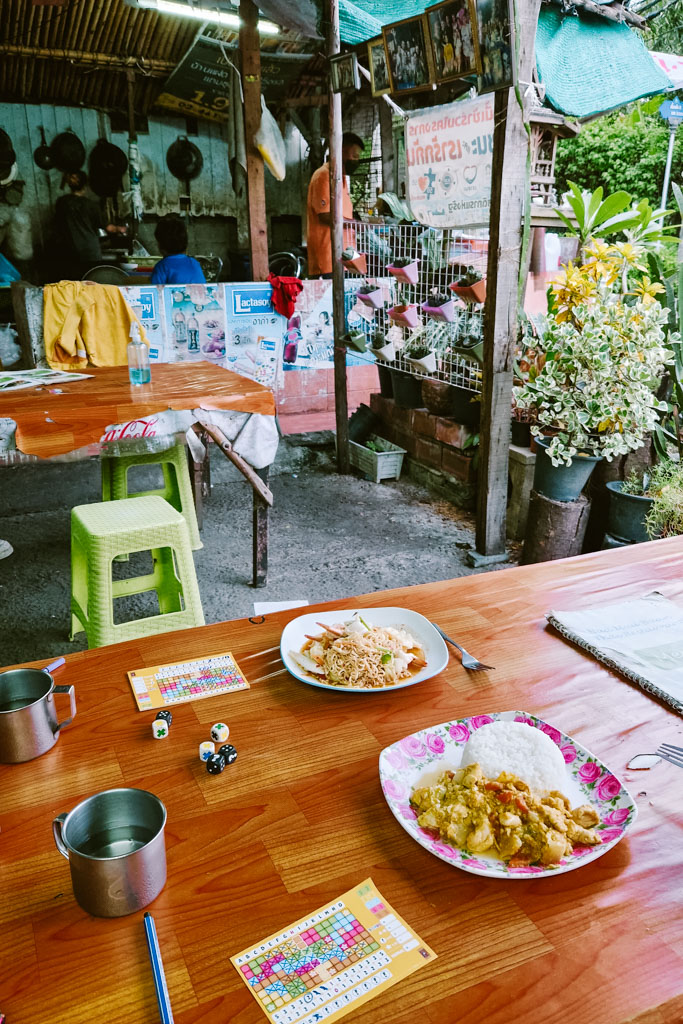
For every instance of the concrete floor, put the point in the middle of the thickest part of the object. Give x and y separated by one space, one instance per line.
331 536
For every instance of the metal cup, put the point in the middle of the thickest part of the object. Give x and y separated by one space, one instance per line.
114 842
28 717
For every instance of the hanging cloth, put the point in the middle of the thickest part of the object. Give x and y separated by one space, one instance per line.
285 291
86 324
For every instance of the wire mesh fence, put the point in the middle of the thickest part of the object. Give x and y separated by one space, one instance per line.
445 344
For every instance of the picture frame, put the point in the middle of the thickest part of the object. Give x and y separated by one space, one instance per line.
409 55
495 23
377 63
344 73
454 39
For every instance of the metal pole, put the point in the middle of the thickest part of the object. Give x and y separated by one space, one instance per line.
338 315
667 169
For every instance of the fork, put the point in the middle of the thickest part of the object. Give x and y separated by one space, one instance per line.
467 660
670 753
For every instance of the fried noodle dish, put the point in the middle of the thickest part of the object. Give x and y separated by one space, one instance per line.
504 817
356 654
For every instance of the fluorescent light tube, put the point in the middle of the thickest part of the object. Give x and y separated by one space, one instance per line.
230 19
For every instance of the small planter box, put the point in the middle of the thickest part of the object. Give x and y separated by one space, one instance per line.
357 265
385 464
408 274
446 311
470 293
406 315
374 298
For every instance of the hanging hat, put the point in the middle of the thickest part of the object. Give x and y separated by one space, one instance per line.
106 166
183 159
68 152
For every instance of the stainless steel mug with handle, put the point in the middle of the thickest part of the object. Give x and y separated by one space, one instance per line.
114 842
28 716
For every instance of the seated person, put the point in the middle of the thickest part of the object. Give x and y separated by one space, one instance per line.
176 267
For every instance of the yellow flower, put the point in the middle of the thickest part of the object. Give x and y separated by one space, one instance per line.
629 253
597 248
647 290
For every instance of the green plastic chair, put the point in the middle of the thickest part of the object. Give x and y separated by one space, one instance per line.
100 533
177 489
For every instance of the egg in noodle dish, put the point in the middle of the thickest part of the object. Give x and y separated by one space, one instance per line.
358 654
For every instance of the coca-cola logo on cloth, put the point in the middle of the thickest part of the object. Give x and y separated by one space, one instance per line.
132 429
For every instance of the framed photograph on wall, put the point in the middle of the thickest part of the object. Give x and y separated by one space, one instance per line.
344 73
409 55
453 35
379 73
495 45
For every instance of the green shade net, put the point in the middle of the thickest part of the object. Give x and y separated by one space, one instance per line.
363 19
590 65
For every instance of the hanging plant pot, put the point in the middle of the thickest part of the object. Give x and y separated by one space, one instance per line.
356 340
561 483
409 273
627 512
425 364
404 315
357 264
407 390
446 311
372 298
387 353
471 292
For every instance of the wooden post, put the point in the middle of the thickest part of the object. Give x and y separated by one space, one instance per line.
386 130
338 316
509 201
256 190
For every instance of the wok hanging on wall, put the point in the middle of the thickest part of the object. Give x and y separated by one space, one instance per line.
184 160
67 152
107 164
41 154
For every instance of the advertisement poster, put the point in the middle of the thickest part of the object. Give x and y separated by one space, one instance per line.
448 157
309 334
201 84
255 332
495 45
146 303
195 322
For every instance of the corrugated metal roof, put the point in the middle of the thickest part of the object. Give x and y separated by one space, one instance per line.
77 54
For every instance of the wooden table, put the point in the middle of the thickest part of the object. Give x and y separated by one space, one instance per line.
300 818
54 420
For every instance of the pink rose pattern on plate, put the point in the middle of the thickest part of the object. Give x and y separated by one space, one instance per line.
426 749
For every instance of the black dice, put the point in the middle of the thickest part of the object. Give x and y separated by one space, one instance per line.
215 764
228 752
166 715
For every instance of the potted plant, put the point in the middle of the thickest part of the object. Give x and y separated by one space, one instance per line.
604 356
470 286
406 269
404 314
356 262
422 356
439 306
356 339
383 347
371 295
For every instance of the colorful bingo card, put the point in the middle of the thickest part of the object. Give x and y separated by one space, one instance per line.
164 685
329 963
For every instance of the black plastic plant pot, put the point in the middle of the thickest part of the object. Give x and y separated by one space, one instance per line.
407 390
520 434
627 512
561 483
386 384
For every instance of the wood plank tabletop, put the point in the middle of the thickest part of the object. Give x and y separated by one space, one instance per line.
50 423
300 818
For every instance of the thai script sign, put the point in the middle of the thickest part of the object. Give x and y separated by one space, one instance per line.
448 156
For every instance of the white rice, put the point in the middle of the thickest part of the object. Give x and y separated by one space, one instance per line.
520 749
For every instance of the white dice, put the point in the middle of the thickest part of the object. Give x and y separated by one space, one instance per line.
220 732
206 749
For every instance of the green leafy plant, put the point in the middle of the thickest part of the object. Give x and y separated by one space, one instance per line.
597 217
665 518
605 352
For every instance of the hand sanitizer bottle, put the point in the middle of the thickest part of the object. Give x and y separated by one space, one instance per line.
138 357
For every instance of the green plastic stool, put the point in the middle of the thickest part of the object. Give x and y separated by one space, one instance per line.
101 532
177 489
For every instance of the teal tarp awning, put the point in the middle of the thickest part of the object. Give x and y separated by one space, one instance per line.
590 65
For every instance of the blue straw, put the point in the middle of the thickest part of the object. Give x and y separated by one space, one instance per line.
157 970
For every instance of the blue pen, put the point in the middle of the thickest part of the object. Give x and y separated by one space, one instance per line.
157 970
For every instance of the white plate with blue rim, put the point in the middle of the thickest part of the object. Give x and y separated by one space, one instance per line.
295 633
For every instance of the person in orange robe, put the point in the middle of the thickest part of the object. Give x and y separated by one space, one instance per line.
319 216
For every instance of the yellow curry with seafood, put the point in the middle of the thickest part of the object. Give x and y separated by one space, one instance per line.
504 817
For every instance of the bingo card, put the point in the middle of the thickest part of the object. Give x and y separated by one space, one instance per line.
327 964
163 685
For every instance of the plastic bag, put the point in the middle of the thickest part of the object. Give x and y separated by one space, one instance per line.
270 143
10 352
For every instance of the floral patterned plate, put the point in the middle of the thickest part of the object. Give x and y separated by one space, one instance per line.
418 760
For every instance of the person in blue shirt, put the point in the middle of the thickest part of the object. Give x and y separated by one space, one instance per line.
176 267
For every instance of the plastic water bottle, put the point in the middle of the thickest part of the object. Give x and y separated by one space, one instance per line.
138 357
